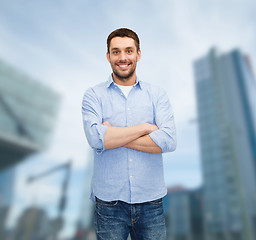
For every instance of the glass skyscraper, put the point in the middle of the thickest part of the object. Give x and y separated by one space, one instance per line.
28 111
183 213
226 101
7 177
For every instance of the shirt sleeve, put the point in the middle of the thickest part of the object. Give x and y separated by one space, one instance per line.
165 136
92 121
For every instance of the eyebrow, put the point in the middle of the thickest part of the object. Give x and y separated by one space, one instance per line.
113 49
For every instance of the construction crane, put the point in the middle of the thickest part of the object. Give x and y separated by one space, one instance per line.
58 223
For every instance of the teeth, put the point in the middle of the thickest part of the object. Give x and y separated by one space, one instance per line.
123 65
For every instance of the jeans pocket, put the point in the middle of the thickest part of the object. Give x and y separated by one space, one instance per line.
156 202
106 203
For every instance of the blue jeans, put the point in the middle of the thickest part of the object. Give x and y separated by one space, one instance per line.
115 220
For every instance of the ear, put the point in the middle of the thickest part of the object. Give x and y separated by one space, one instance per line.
138 55
108 56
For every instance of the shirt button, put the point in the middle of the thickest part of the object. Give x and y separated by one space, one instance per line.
131 160
128 109
130 176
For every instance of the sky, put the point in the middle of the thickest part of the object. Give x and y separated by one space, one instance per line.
63 45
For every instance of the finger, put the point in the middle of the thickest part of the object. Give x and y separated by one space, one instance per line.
106 123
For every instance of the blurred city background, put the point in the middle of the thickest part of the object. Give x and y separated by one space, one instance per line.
202 53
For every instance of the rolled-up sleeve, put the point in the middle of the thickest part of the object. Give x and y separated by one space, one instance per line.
92 121
165 136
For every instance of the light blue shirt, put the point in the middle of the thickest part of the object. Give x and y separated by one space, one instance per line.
125 174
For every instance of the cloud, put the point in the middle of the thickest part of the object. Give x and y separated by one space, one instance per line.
66 48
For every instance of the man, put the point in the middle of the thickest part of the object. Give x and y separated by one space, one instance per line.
129 124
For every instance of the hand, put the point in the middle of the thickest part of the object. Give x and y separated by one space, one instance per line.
150 127
106 123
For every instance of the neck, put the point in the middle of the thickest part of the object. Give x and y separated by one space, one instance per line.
125 81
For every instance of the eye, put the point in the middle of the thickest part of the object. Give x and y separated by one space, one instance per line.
115 52
129 51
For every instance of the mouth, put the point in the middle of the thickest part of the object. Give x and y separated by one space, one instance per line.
124 66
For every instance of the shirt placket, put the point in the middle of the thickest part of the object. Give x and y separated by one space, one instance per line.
128 123
131 160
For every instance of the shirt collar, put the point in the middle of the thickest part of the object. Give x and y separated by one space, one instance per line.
110 82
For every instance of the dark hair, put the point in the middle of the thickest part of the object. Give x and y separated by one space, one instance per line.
124 32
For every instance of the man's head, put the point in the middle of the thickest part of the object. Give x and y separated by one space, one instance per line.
124 32
123 54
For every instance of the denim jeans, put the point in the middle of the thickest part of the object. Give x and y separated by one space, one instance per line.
115 220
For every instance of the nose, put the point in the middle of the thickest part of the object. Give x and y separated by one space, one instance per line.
122 56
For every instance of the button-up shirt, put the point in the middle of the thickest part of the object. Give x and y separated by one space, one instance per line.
122 173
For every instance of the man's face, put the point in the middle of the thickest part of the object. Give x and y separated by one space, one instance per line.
123 57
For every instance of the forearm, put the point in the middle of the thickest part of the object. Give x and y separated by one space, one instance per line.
144 144
119 136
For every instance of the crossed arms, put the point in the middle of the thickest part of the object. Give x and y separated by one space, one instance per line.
145 137
135 137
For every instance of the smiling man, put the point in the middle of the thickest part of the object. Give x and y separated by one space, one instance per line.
129 124
124 58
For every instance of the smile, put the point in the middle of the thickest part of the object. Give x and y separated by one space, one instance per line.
123 66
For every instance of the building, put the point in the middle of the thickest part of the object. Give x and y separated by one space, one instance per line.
33 224
85 225
28 112
184 214
196 201
226 99
7 177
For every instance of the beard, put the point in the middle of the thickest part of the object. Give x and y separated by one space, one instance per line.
123 76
